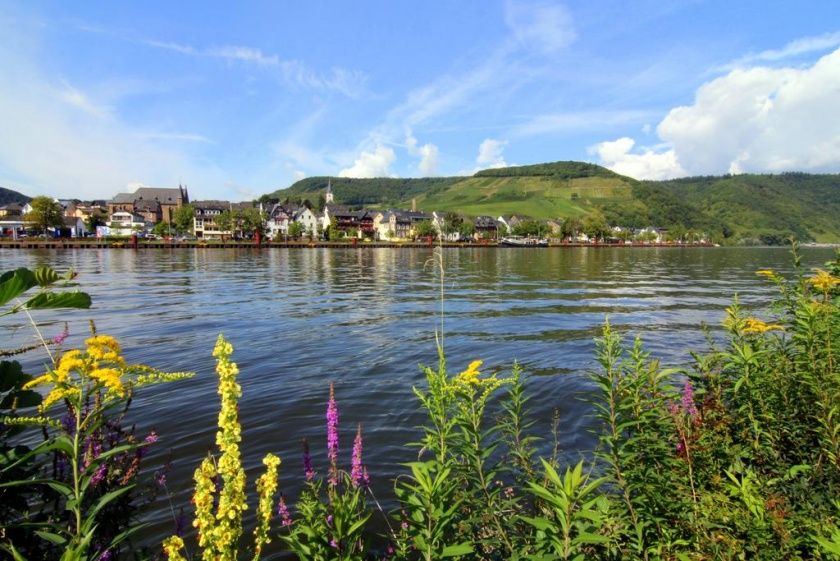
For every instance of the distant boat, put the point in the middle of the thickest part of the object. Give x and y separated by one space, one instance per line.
520 241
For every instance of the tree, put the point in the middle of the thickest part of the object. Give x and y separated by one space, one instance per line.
529 228
252 221
46 213
571 227
467 229
161 229
96 218
425 229
225 222
182 219
295 230
595 225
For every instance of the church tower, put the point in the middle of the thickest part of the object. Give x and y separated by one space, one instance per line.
329 195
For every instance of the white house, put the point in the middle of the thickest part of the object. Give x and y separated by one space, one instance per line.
123 223
282 216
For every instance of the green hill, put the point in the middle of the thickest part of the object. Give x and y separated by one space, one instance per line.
734 209
8 196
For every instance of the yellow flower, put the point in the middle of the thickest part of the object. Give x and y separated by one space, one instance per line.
110 378
470 375
57 395
266 486
103 341
172 547
823 281
767 273
753 325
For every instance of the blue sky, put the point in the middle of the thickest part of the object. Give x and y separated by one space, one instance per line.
239 100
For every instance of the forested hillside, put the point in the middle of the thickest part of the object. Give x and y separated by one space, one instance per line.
732 209
8 196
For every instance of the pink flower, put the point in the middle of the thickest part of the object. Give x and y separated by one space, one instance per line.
358 473
688 399
332 437
308 470
283 512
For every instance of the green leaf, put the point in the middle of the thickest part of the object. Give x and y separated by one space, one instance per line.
11 375
51 537
25 398
13 284
49 300
46 276
456 550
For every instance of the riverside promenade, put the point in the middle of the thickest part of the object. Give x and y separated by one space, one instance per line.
32 243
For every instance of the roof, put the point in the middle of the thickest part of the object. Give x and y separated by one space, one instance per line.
485 222
146 205
163 195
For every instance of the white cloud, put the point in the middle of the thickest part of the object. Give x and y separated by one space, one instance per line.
648 164
761 119
428 153
61 140
552 123
351 83
750 120
802 46
490 154
541 26
375 163
298 175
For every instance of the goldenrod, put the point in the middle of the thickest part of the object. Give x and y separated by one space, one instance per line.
753 325
823 281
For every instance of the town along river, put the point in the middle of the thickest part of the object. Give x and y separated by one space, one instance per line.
365 319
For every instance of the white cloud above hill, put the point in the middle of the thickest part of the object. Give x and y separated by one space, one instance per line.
757 119
371 163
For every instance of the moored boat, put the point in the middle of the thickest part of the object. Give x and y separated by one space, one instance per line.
522 241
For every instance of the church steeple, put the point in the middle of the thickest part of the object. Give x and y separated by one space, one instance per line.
329 195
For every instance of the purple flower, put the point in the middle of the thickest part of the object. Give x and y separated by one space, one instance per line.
308 470
180 523
160 478
333 543
329 519
99 475
332 437
68 423
358 473
151 438
106 555
688 399
283 512
60 338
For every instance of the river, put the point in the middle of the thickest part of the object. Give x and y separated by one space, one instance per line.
365 319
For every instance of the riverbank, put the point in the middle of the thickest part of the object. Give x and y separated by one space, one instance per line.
158 244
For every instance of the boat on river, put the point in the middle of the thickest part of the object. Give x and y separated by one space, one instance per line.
523 241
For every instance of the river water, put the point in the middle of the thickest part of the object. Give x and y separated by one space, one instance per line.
365 319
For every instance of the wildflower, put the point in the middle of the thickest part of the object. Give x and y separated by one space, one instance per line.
61 337
358 473
57 395
151 438
753 325
329 520
266 486
470 375
333 543
172 547
767 273
688 400
110 378
308 470
823 281
332 437
283 513
99 475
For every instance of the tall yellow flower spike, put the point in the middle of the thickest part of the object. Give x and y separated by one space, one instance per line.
219 532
